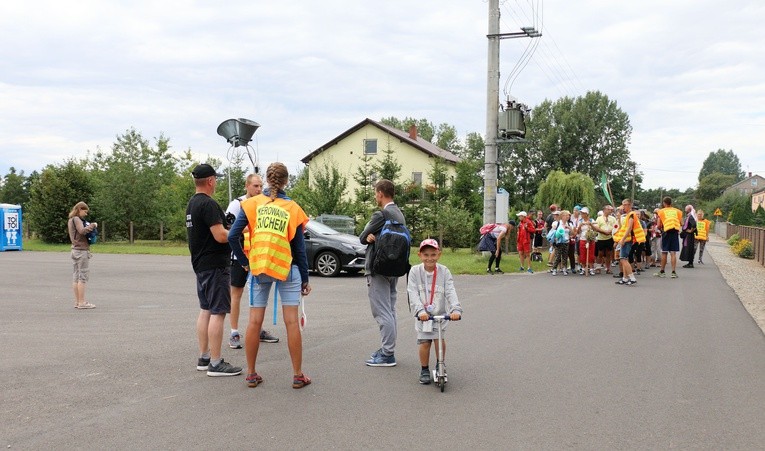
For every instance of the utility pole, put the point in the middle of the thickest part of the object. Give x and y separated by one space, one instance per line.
634 170
492 111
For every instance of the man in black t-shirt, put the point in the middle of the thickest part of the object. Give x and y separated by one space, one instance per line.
208 244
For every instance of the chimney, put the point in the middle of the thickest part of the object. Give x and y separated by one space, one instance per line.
413 132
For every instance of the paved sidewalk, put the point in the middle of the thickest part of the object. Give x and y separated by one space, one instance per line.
746 277
539 362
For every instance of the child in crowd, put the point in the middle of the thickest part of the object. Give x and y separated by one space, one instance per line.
431 292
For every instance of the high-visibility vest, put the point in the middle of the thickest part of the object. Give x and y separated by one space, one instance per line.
637 229
272 224
670 218
702 229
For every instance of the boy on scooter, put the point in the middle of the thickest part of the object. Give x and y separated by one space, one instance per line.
431 292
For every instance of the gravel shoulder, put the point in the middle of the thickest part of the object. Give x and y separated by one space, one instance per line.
745 277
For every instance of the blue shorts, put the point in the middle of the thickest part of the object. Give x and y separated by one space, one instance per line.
670 241
214 290
289 290
625 250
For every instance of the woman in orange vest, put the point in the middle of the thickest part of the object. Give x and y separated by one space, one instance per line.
702 233
630 232
277 254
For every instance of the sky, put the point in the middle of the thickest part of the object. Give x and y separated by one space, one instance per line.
75 75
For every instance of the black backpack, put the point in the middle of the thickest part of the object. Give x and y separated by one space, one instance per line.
392 246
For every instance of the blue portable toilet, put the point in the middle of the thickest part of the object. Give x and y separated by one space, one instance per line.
10 219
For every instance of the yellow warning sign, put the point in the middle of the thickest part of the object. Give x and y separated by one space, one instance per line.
718 212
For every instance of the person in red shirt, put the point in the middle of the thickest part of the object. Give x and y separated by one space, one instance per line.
526 230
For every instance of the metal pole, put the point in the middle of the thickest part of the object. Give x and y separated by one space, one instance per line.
492 109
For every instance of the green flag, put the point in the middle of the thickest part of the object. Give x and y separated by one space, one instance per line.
604 187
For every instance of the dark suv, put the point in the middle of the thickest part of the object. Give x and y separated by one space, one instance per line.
330 251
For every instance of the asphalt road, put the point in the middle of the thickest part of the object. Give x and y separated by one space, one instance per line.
539 362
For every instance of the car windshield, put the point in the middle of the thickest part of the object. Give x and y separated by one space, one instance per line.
321 229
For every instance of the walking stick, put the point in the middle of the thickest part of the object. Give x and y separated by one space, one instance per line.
587 256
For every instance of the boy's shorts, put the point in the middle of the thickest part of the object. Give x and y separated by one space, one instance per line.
289 290
524 247
214 290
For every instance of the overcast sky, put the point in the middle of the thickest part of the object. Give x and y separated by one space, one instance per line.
73 75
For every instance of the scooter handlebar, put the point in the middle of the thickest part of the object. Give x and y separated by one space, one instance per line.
438 317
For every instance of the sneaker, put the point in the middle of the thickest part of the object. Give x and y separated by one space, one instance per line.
581 272
265 336
689 265
235 341
592 272
661 274
253 380
223 369
522 269
620 275
554 272
701 262
203 363
565 272
489 271
530 271
498 271
425 376
300 381
381 360
614 263
631 282
621 282
674 275
376 353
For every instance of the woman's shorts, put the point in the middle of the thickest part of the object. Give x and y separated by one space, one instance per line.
289 290
80 265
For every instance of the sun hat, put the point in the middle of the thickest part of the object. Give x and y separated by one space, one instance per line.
585 210
522 213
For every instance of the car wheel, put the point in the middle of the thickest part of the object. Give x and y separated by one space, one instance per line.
327 264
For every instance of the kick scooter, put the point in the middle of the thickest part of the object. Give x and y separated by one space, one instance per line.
439 374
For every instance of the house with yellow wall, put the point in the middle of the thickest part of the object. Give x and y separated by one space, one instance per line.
371 138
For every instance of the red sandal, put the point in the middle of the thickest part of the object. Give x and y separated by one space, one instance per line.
300 381
253 379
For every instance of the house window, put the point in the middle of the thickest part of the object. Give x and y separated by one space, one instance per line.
370 146
417 178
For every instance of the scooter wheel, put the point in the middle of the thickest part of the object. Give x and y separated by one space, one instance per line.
442 383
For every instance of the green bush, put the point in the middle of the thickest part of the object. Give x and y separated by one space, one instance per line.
734 239
744 249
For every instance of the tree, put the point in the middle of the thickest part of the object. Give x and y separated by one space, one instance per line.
326 194
724 162
364 179
129 179
712 186
587 134
388 168
12 189
54 194
566 190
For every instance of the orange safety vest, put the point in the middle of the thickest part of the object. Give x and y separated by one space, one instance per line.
670 218
702 229
272 225
637 229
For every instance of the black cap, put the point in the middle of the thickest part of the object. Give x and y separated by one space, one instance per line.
204 170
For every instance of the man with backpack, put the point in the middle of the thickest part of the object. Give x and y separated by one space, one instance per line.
386 261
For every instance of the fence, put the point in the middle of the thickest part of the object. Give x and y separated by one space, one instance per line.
754 234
